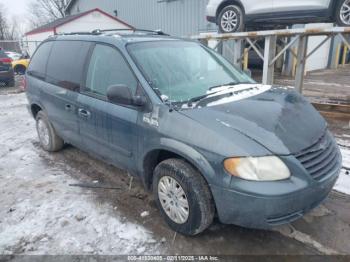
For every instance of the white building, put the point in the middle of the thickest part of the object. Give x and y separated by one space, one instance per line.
83 22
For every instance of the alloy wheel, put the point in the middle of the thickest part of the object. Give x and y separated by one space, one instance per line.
345 12
43 132
229 21
173 199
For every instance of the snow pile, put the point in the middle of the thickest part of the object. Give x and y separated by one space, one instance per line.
40 213
343 183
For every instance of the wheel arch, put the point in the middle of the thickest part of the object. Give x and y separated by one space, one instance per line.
174 149
35 109
20 65
227 3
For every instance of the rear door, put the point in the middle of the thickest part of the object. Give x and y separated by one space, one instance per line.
63 79
299 5
110 130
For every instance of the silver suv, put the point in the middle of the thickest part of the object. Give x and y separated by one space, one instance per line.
234 15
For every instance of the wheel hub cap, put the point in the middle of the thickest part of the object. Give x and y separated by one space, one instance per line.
229 21
345 12
43 132
173 199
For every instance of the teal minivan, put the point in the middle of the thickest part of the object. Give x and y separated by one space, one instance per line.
203 136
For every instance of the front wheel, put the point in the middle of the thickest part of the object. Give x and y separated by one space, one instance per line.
183 197
230 19
343 13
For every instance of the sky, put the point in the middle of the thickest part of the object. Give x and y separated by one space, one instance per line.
17 9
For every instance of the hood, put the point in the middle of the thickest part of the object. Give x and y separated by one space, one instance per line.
279 119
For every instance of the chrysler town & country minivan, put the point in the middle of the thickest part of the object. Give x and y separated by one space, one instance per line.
206 138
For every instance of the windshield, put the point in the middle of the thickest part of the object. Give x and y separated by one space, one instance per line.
180 71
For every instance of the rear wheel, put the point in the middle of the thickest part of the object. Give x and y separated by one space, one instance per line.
343 13
230 19
183 197
49 140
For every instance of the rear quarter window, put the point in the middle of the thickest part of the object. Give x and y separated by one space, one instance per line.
66 64
37 66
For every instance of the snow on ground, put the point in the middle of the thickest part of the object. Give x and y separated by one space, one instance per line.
343 183
40 213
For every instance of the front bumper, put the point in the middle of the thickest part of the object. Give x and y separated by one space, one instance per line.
274 203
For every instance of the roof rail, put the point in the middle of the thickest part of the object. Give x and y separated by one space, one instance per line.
76 33
153 32
99 32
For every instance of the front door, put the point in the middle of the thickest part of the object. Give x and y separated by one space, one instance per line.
108 129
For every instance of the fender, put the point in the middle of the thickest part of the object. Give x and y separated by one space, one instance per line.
186 152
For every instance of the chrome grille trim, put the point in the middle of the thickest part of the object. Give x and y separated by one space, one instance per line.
321 158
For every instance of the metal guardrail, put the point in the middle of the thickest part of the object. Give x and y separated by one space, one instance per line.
285 39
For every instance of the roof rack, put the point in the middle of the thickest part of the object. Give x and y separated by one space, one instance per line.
75 33
150 32
99 32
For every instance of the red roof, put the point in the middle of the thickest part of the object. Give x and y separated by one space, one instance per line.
67 19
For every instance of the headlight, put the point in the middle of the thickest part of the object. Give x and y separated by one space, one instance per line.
268 168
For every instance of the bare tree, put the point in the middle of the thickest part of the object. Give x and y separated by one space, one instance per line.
3 24
14 29
45 11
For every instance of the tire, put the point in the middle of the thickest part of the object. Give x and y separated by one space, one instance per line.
20 69
49 140
200 211
228 12
343 19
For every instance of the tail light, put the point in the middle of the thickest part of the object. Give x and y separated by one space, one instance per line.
6 60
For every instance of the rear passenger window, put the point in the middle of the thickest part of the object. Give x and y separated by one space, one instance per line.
107 67
37 66
66 64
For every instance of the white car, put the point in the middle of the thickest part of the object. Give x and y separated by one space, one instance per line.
234 15
13 55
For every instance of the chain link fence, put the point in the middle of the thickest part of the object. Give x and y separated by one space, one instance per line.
19 46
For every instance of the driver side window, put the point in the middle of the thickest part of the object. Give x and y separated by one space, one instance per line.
108 67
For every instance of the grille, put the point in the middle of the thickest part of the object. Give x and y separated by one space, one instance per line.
321 158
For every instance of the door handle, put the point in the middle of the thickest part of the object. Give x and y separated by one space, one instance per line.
84 113
68 107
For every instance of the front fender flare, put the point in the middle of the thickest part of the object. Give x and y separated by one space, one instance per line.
188 153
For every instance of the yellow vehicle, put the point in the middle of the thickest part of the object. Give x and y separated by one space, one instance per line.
20 66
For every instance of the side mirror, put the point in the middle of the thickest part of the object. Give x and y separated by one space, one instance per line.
120 94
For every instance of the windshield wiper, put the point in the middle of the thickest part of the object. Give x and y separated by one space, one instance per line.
202 97
228 84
